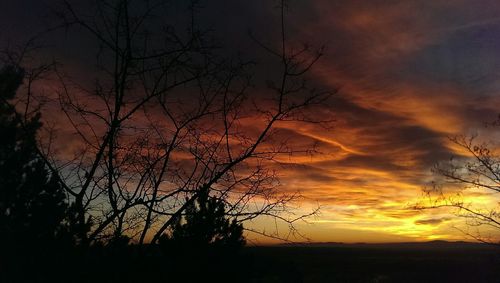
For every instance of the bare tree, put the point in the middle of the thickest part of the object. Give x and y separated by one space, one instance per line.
478 173
167 118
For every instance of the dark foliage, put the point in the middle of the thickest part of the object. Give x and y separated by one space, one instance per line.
204 224
33 205
205 243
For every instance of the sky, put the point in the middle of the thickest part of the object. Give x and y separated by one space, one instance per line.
409 75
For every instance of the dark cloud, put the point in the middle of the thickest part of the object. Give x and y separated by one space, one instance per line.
431 221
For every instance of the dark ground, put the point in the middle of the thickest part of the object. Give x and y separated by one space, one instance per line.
425 262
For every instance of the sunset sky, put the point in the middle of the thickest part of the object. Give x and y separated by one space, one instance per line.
409 74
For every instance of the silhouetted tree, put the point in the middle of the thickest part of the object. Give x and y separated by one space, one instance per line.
205 223
207 238
477 171
32 203
163 122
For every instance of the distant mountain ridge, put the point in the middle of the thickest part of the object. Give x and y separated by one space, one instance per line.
437 244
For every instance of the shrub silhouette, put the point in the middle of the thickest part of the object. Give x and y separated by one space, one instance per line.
205 224
203 241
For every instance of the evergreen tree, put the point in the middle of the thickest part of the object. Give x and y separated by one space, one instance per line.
205 224
204 240
32 203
